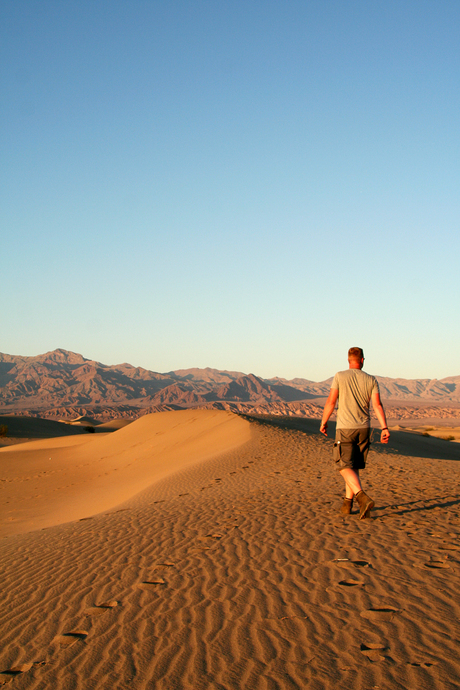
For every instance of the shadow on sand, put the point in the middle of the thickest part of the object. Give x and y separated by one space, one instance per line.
420 505
401 442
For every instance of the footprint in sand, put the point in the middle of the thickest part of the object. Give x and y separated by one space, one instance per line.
99 609
152 584
373 651
213 536
449 547
380 613
422 664
16 670
111 604
345 584
8 674
166 564
436 565
348 563
70 638
351 583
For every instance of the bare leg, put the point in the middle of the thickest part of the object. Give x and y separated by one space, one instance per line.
352 481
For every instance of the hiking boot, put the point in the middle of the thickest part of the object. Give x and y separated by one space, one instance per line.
365 504
346 506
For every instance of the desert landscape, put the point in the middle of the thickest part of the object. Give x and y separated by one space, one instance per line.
202 549
209 209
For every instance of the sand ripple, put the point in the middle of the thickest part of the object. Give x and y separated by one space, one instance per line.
240 573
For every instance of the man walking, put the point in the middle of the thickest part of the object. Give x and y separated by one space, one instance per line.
354 389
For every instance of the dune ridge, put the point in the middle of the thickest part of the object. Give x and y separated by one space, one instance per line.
47 482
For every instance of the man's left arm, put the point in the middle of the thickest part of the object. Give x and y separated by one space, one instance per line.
329 409
380 413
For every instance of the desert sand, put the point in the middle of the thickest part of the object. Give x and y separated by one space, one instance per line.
51 481
199 550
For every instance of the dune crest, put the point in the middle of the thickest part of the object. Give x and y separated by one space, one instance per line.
52 481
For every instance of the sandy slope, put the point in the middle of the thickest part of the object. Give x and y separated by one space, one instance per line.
51 481
238 573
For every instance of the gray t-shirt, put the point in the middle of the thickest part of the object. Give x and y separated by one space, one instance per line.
355 391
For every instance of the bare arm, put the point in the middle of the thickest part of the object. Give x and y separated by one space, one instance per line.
380 413
329 409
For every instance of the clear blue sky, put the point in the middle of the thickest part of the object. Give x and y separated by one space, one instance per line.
245 185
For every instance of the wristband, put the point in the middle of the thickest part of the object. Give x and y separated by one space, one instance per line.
385 428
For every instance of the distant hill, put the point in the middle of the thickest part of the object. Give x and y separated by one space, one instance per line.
207 375
63 384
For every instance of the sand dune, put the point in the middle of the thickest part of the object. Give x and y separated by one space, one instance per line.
238 572
114 424
48 482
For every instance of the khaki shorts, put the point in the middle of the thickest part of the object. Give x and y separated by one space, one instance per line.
351 448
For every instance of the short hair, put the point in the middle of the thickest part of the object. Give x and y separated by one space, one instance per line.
356 353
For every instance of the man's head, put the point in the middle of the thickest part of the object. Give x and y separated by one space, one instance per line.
355 357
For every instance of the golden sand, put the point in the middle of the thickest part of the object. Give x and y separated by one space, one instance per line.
236 571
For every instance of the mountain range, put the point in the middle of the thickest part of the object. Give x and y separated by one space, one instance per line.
63 384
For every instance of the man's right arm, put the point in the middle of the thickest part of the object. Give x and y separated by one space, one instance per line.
329 409
380 414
